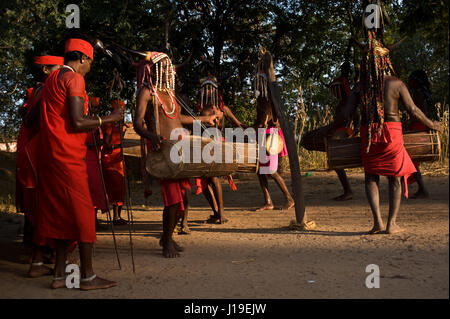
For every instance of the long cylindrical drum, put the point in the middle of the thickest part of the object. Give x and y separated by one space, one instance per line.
346 153
313 141
195 156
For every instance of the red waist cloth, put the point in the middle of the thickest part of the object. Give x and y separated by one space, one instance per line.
65 209
173 190
114 176
387 155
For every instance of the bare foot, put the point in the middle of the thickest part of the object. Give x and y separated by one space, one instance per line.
222 220
288 204
216 220
184 230
175 245
265 207
420 194
393 229
39 271
96 283
58 283
169 251
376 230
345 196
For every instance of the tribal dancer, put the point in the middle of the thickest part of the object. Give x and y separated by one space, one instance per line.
211 102
156 102
113 166
65 210
382 149
266 118
26 173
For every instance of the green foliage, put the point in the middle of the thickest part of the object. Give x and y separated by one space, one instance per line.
308 40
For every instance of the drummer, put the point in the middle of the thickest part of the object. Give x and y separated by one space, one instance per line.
210 102
340 89
421 95
156 96
383 152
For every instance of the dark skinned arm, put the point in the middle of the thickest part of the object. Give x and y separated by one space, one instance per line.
414 111
142 99
188 120
343 116
230 116
81 122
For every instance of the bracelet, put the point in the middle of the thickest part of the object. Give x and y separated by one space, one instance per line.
99 120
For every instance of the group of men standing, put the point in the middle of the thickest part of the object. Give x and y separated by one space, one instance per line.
53 179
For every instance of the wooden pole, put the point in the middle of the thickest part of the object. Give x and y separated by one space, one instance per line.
300 214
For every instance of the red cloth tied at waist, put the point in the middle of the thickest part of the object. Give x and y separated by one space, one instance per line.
173 190
387 155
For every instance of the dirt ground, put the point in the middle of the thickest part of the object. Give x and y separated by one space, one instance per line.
256 255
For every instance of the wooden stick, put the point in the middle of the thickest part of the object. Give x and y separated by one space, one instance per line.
294 164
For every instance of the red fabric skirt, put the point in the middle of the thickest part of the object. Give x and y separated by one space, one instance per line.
173 190
387 155
113 173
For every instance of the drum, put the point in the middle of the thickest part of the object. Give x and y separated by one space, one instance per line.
313 141
424 146
196 157
421 147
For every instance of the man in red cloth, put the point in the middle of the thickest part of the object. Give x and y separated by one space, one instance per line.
65 211
26 174
112 164
382 149
156 100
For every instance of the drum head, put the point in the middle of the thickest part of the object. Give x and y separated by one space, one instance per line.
274 144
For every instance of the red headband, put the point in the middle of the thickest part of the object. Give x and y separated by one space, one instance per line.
49 60
80 45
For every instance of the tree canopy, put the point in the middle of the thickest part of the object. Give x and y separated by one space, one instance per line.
308 40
